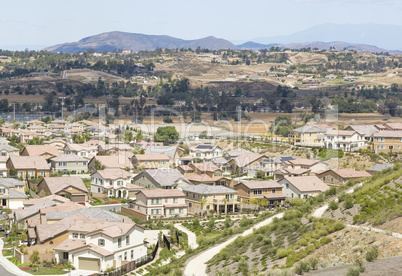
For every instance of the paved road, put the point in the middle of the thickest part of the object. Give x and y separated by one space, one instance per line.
197 266
4 272
192 238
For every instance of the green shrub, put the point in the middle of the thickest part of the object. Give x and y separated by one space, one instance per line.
348 203
353 271
372 254
314 263
282 253
333 205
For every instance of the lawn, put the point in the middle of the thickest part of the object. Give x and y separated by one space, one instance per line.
47 271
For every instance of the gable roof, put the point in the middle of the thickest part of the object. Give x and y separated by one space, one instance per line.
306 183
8 148
205 167
303 162
310 129
11 182
367 130
151 157
208 189
114 174
55 198
337 132
388 134
162 193
168 150
69 158
350 173
166 177
114 161
21 214
38 150
244 159
78 245
29 162
256 184
57 184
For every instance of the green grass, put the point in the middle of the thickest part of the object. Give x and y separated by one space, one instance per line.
46 271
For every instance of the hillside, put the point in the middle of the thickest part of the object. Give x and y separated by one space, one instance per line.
138 42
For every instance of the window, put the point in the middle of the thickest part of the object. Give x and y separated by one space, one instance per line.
3 153
166 200
181 210
75 235
119 242
323 178
248 192
65 255
206 197
82 236
380 139
132 254
257 192
193 195
390 147
2 191
125 256
101 242
42 173
156 201
156 211
273 191
332 180
171 211
175 200
190 204
119 183
287 185
127 240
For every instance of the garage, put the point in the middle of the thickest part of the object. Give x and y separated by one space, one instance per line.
78 198
89 264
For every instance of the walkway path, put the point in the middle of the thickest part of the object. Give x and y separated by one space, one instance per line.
393 234
192 238
197 266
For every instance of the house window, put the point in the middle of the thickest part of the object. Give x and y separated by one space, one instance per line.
125 256
273 191
257 192
332 180
75 235
65 255
171 211
127 240
248 192
42 173
2 191
391 147
287 185
119 183
175 200
119 242
380 139
132 254
187 194
101 242
181 210
156 201
190 204
323 178
156 211
82 236
166 200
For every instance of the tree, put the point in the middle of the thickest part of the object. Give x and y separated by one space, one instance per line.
34 258
394 87
99 166
166 134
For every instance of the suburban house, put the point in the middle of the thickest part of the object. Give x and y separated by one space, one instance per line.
302 187
150 161
81 150
41 150
206 151
393 126
159 203
268 166
29 166
205 198
144 144
3 166
172 151
234 153
300 166
366 130
114 182
7 151
12 194
345 140
160 178
115 149
341 176
265 193
71 187
310 136
379 168
207 173
243 162
122 162
69 163
389 141
99 245
58 143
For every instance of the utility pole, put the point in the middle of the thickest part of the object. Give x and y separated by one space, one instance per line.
62 105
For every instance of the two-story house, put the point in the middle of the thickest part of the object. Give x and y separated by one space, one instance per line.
115 149
29 166
310 136
69 163
264 193
150 161
115 183
87 151
204 198
269 166
98 246
300 167
172 151
7 151
388 141
207 173
345 140
71 187
107 162
245 161
159 203
206 151
12 194
302 186
338 177
41 150
161 178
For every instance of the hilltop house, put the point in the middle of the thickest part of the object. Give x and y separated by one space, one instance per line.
12 194
388 141
114 182
206 151
69 163
150 161
311 136
345 140
341 176
171 151
160 178
29 166
302 187
71 187
265 193
87 151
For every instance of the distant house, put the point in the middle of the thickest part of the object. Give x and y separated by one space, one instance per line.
300 167
266 193
81 150
115 149
269 166
114 182
58 143
302 187
171 151
205 198
41 150
7 151
345 140
243 162
206 151
160 178
379 168
340 176
207 173
366 130
388 141
159 203
111 162
150 161
71 187
312 136
12 194
29 166
69 163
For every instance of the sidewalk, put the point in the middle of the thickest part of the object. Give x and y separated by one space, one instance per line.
192 238
14 270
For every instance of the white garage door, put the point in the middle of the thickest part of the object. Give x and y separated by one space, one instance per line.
89 264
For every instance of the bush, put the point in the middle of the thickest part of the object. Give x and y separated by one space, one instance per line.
314 263
333 205
348 203
372 254
302 267
353 271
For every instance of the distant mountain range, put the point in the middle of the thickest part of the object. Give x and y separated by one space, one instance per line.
365 37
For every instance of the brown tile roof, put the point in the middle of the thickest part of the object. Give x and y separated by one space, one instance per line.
78 245
394 126
29 162
57 184
205 167
202 178
296 171
151 157
162 193
302 161
307 183
115 161
265 184
56 198
244 159
351 173
341 132
64 207
69 158
114 174
388 134
111 229
186 168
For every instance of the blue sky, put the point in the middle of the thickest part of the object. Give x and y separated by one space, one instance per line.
45 22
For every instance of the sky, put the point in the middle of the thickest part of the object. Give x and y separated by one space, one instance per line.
35 24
